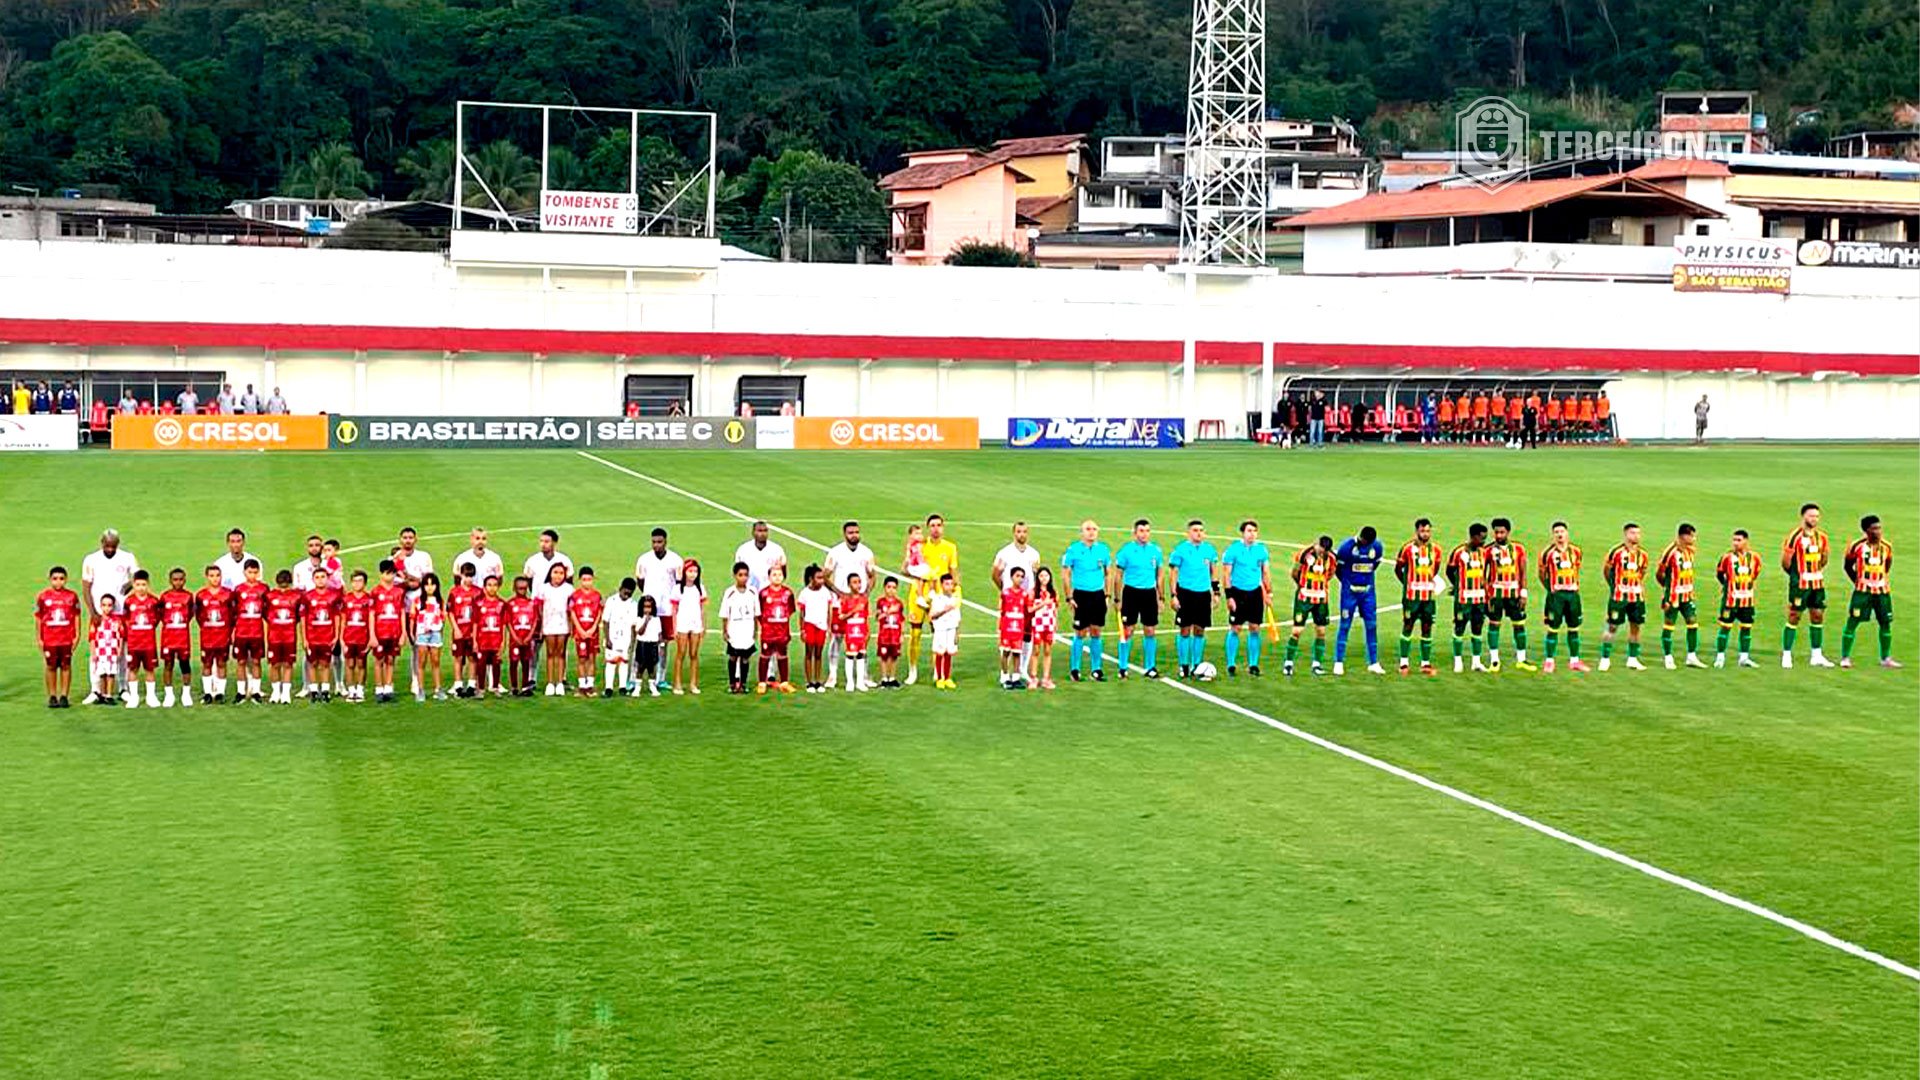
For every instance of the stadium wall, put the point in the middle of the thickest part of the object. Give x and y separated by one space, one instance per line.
369 332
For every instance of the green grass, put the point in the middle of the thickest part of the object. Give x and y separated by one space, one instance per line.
1109 880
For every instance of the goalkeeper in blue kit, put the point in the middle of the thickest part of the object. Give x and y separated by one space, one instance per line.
1356 560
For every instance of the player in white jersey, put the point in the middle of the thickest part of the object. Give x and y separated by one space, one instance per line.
761 554
1022 556
233 564
622 618
104 573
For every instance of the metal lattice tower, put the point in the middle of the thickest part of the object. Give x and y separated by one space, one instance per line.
1223 195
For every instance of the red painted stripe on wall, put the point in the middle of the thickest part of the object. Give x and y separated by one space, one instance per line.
326 338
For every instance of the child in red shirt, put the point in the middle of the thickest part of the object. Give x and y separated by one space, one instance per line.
461 600
583 612
142 610
176 638
356 635
56 616
283 636
853 632
776 632
523 625
213 612
489 635
389 628
1015 603
320 613
890 615
249 630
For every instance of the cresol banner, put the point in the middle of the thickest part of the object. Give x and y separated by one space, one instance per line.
538 433
1095 432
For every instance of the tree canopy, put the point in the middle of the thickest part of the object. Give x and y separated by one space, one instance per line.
190 103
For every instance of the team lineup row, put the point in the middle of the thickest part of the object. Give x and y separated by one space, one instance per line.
649 631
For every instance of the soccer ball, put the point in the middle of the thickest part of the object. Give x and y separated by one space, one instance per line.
1205 672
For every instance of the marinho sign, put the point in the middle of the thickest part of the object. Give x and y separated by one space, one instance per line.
538 433
1094 432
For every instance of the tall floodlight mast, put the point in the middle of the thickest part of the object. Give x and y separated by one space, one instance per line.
1223 195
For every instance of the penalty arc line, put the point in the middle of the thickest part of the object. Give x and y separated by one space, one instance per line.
1806 930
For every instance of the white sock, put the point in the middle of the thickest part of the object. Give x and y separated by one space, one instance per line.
851 683
863 670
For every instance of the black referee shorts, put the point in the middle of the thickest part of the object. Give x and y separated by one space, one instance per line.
1089 609
1249 607
1139 606
1195 608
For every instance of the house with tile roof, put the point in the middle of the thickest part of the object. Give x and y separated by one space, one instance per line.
945 198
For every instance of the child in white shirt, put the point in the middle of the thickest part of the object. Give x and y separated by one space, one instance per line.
622 618
739 619
943 610
816 605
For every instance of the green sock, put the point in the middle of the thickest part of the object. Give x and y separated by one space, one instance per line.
1815 635
1786 638
1746 639
1886 641
1493 638
1426 649
1457 643
1720 640
1406 648
1666 641
1319 649
1573 644
1519 638
1553 643
1606 647
1693 638
1293 648
1633 650
1473 641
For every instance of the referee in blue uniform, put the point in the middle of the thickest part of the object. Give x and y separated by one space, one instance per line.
1087 562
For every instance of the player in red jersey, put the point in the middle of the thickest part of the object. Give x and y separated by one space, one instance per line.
523 629
461 600
176 638
777 604
890 617
356 635
854 631
389 629
320 614
213 611
1015 606
143 639
583 616
283 636
249 630
489 634
56 616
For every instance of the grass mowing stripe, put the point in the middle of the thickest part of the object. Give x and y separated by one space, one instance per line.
1804 929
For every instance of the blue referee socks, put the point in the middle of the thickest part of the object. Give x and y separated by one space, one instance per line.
1253 648
1151 648
1233 648
1126 652
1073 652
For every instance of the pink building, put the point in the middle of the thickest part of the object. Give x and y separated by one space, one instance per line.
945 198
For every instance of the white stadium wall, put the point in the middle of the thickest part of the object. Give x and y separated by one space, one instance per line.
411 333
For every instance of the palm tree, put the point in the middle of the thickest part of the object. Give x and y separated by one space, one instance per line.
505 170
331 171
430 167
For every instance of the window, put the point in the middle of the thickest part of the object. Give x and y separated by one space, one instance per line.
657 395
767 393
910 227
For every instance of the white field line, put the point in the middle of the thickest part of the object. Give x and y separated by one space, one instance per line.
1628 861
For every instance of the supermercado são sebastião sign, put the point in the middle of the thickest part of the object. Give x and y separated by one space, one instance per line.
538 433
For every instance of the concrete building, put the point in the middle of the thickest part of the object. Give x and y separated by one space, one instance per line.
66 217
946 198
1711 121
317 217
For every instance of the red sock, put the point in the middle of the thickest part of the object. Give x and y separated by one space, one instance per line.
784 669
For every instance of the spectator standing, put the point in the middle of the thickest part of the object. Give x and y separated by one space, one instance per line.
249 402
276 405
22 399
69 398
1530 422
188 401
42 399
128 407
225 399
1700 410
1317 419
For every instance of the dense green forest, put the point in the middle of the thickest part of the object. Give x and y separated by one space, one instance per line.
189 103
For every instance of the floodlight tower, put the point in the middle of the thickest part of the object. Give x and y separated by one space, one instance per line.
1223 193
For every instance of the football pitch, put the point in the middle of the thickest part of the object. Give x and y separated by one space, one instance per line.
1124 879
